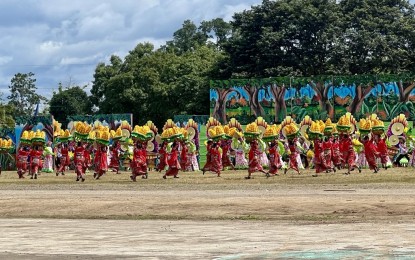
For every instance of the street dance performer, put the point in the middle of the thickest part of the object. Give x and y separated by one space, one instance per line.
79 161
173 161
139 163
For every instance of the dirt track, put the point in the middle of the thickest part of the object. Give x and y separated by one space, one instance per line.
207 218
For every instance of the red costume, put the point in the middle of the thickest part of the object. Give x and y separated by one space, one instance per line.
173 163
226 160
22 157
87 156
274 160
318 156
97 159
293 155
335 153
79 161
183 156
348 153
162 158
208 163
254 154
139 163
383 150
101 161
35 162
65 153
115 159
370 153
327 147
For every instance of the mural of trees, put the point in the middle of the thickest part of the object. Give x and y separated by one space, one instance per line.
280 108
319 97
219 111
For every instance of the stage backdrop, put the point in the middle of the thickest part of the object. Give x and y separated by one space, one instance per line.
319 97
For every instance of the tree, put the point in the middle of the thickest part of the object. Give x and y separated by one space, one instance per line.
71 101
6 116
23 97
187 38
280 38
376 36
217 28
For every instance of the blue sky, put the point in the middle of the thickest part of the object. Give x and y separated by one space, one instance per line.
63 41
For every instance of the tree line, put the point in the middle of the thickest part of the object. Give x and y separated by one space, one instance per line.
274 38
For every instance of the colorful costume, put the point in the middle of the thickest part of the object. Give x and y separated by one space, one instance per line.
162 163
349 157
370 153
254 159
274 159
318 156
226 160
35 162
240 148
48 164
173 162
22 157
327 160
335 153
79 161
139 163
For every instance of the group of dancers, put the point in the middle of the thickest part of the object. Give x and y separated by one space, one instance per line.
325 153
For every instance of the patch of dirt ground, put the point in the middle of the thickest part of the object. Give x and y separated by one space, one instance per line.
285 217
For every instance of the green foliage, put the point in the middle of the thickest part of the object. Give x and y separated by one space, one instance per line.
155 84
23 97
70 101
6 117
317 37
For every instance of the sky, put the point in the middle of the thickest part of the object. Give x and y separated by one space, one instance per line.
63 41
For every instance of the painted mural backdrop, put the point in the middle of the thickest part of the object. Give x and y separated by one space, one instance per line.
319 97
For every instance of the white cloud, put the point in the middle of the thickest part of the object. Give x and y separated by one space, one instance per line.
5 59
61 40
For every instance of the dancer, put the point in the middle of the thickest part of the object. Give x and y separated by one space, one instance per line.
184 160
349 157
173 162
254 164
208 157
241 147
48 155
63 155
162 163
216 159
79 161
293 160
22 158
139 163
101 161
115 157
35 161
402 152
318 157
327 151
274 159
226 159
370 152
382 149
335 152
